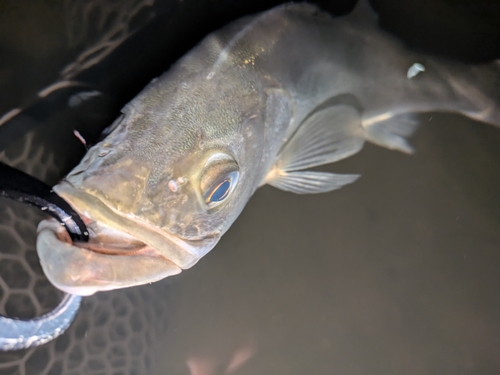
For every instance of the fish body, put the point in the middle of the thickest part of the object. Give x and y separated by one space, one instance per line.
260 101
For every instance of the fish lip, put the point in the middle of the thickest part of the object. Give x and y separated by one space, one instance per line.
181 251
108 248
76 270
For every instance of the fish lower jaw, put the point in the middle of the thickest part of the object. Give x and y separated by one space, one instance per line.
85 270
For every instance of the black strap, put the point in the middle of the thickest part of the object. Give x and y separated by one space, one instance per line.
21 187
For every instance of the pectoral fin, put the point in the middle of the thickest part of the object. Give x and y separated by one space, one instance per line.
309 182
325 136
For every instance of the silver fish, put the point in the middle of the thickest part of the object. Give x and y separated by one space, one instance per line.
261 101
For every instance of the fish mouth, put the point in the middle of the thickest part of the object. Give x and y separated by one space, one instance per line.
121 252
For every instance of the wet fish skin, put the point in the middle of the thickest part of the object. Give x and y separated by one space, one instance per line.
259 101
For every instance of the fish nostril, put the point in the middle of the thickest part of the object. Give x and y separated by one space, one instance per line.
173 186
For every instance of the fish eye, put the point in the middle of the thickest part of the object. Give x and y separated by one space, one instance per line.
221 189
219 178
220 192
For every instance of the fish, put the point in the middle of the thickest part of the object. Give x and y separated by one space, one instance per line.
263 100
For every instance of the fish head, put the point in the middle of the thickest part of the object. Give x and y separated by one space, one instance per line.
159 191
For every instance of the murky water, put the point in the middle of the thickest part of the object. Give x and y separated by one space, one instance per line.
395 274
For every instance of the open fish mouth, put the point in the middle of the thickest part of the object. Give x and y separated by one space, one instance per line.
121 252
85 268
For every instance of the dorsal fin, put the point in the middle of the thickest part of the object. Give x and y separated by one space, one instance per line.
363 14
